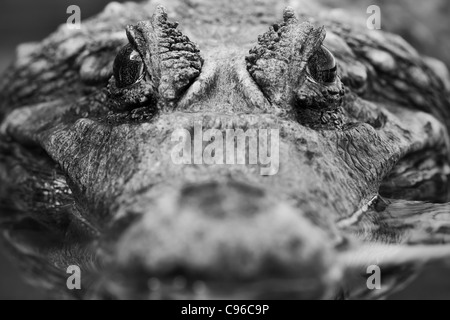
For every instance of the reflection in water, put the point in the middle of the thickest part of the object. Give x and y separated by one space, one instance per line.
414 205
437 189
421 176
413 209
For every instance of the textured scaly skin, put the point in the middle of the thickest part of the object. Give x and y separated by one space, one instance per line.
87 178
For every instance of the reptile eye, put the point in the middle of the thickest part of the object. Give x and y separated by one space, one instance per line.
128 67
322 66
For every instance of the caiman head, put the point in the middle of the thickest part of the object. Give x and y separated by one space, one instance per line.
114 154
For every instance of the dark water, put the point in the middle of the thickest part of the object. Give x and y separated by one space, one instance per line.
434 203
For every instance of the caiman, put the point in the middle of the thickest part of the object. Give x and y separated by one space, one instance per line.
86 154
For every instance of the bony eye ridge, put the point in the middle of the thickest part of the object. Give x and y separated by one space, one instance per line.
128 67
322 66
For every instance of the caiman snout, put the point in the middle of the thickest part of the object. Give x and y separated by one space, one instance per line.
231 237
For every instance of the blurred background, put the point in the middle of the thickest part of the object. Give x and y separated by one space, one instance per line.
425 24
24 21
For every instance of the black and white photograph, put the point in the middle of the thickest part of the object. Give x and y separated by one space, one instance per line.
225 154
